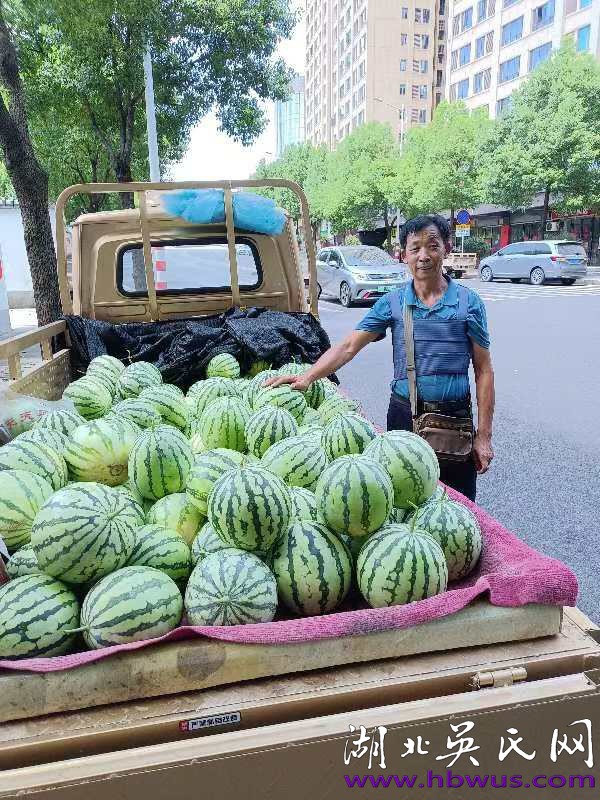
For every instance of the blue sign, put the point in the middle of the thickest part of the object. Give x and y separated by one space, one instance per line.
463 217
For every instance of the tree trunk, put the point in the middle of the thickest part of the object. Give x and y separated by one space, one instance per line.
30 183
123 173
545 211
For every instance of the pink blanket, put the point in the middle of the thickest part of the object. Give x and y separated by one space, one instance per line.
512 574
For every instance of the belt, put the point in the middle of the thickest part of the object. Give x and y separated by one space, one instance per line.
441 407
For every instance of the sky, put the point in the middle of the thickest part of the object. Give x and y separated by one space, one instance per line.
213 155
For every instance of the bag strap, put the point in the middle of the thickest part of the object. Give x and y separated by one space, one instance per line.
409 346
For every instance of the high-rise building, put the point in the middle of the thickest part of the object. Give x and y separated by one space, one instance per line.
493 45
372 60
289 116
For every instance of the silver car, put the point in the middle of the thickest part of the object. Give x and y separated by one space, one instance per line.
357 273
537 262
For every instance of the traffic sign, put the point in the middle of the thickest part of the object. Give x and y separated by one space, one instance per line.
462 230
463 217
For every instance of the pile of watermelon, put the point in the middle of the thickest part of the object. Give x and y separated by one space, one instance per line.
235 503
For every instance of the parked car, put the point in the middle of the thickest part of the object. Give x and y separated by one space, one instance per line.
537 262
357 273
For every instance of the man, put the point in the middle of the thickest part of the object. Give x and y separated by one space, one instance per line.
424 243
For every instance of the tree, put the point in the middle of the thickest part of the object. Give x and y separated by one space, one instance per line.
549 140
29 180
7 191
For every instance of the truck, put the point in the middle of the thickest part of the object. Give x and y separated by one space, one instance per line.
486 684
457 263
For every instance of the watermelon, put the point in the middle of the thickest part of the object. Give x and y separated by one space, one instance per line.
201 394
159 462
170 403
282 397
336 404
316 394
299 461
311 418
354 544
140 506
457 531
106 365
304 505
176 513
249 508
197 444
400 515
21 496
231 587
223 423
257 367
400 564
63 421
257 383
99 450
35 457
83 532
313 569
355 495
132 604
22 562
410 462
90 398
57 441
206 541
347 434
137 377
143 412
293 368
38 615
207 469
223 366
267 426
162 549
314 431
105 381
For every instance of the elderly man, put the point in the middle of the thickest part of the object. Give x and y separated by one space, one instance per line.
442 354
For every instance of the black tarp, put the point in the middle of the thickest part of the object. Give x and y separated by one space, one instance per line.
181 349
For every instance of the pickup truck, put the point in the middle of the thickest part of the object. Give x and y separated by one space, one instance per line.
457 263
223 719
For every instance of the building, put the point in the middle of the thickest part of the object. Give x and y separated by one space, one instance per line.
372 60
493 45
289 117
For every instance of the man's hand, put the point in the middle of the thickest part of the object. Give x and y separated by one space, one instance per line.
298 382
483 452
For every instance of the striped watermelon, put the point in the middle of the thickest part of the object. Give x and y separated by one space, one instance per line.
313 431
293 368
23 562
257 367
304 505
57 441
132 604
316 393
231 587
206 471
83 532
197 444
282 397
99 450
162 549
299 461
354 544
143 412
63 421
457 531
347 434
256 384
400 515
170 403
140 506
223 423
106 365
311 417
159 462
90 398
313 569
201 394
249 508
336 404
22 494
37 617
267 426
411 463
176 513
400 564
355 495
137 377
223 366
206 541
35 457
105 381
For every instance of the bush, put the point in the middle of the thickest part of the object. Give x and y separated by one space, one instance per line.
475 244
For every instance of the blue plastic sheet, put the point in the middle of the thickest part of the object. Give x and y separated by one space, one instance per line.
251 212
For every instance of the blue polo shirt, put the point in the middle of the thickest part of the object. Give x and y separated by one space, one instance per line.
434 388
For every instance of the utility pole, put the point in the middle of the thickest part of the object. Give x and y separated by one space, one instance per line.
151 119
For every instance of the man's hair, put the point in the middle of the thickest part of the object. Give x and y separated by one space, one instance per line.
417 224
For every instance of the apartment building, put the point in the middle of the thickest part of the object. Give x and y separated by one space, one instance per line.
493 45
289 117
372 60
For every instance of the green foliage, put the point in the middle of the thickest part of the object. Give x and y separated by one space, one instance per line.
6 188
475 244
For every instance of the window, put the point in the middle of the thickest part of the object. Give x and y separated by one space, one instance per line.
403 38
583 39
424 65
192 267
421 40
454 59
466 20
361 70
402 65
464 54
404 12
423 92
480 47
539 54
427 13
361 118
509 70
508 3
362 93
422 116
481 10
463 89
403 89
503 105
423 15
479 81
439 78
440 53
512 31
456 25
442 8
542 15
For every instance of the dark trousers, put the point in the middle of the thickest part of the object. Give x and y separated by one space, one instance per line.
460 475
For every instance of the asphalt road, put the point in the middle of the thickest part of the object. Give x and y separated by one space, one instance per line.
544 483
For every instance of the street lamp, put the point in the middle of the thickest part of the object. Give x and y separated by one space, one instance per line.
151 118
402 110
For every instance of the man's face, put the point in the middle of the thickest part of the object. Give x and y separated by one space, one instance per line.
425 252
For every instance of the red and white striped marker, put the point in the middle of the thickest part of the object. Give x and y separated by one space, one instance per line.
160 266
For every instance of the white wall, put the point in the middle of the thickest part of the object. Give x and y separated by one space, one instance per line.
14 256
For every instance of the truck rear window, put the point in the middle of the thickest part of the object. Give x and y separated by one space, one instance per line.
189 267
572 250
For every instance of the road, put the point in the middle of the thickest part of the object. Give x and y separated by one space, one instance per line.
545 480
